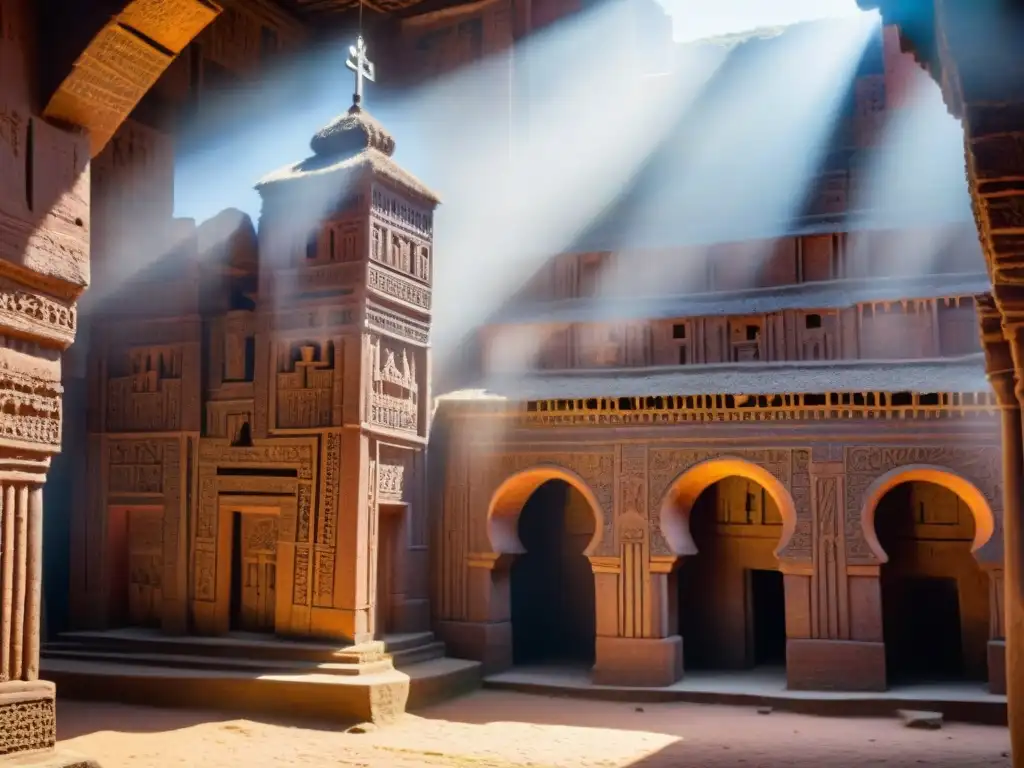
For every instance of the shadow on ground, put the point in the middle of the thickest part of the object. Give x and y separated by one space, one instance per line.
499 729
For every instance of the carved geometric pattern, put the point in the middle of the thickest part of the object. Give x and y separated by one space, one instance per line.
865 464
799 546
27 725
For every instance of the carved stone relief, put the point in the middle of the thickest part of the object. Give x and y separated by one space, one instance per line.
305 384
800 544
31 402
144 395
27 724
632 509
394 395
135 467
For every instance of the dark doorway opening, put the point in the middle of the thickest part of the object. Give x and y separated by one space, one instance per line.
923 630
731 600
768 609
236 572
935 597
552 583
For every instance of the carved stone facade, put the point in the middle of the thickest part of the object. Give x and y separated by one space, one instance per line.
795 386
255 401
641 482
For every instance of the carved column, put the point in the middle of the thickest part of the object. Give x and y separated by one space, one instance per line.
1004 359
44 266
632 645
833 602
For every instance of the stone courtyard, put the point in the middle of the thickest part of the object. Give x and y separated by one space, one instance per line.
497 729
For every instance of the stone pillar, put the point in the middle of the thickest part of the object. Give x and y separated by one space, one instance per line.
27 706
996 656
833 600
634 645
486 635
1009 386
44 266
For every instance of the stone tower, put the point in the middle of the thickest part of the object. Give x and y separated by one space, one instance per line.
342 348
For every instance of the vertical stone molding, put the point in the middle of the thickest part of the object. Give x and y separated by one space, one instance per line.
26 704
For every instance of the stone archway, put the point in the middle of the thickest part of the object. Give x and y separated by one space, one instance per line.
727 519
511 495
124 57
686 488
984 517
549 523
927 527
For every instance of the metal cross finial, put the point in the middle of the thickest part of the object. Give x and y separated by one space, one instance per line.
362 66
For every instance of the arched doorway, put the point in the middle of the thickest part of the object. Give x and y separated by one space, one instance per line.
726 519
731 599
935 597
552 584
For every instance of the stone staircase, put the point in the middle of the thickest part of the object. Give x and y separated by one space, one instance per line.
256 673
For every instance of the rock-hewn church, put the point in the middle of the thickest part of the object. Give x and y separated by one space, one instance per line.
791 460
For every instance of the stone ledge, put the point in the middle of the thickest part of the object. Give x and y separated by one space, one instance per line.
379 697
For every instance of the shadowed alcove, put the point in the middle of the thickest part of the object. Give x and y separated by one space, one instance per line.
552 583
935 609
731 601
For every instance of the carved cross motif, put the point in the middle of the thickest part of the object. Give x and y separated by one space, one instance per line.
359 63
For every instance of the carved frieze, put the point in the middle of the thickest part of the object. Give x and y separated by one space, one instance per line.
392 208
299 454
34 313
332 278
31 403
394 286
389 323
864 464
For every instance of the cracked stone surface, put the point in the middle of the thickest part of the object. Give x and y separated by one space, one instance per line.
498 729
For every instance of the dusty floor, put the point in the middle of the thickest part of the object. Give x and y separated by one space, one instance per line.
491 729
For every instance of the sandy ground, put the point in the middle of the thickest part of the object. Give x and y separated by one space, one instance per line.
491 729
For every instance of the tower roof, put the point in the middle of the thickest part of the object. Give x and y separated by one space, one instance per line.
350 144
352 132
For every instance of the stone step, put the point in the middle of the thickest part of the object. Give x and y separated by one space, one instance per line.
177 661
233 646
340 698
406 641
417 655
